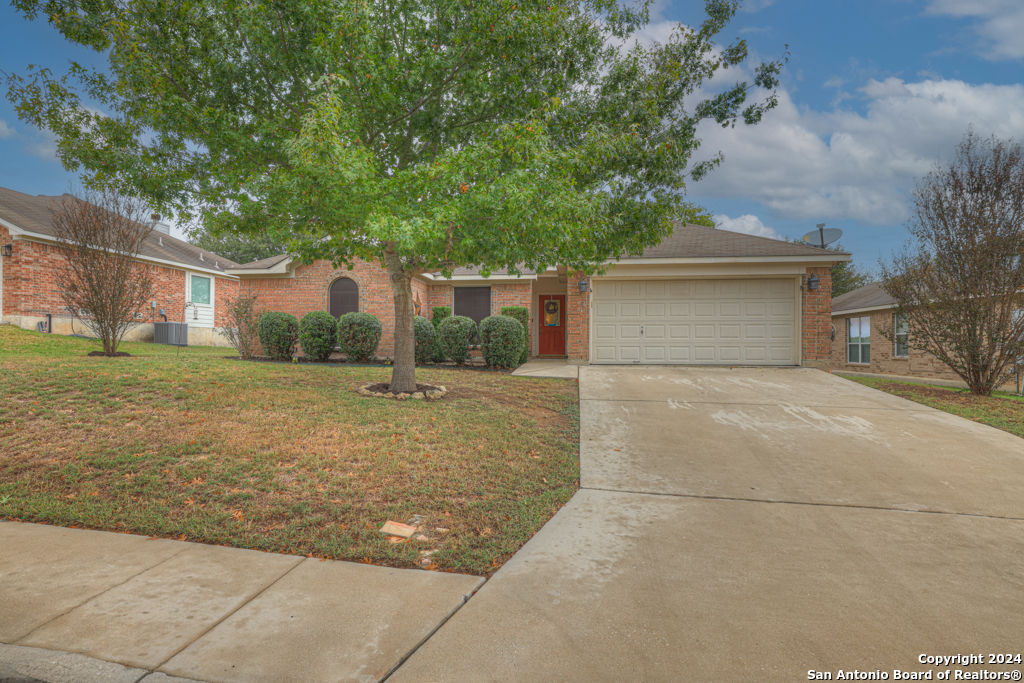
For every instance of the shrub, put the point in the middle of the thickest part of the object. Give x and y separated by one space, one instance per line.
358 335
425 338
455 335
441 313
318 334
279 332
501 340
242 330
522 314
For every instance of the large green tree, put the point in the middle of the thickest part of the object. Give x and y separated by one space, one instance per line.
240 248
426 134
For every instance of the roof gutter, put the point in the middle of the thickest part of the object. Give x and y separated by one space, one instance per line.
868 309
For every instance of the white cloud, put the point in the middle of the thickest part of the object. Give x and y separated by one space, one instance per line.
755 5
747 224
1000 24
6 132
803 164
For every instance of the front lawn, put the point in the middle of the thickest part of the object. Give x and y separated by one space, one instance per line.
286 458
1001 410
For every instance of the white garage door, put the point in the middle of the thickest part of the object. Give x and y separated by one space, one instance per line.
701 322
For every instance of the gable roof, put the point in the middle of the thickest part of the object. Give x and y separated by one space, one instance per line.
698 241
32 214
868 296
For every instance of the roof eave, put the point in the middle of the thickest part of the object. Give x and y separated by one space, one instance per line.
28 234
866 309
831 258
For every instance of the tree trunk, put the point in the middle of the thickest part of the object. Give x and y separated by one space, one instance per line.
403 376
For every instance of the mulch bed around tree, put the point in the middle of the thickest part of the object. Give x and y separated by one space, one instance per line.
115 354
385 387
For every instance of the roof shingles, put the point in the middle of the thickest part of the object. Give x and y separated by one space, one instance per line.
32 214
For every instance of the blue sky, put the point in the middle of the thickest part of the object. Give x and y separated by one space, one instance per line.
874 93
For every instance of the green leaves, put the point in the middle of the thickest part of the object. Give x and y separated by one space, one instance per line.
502 134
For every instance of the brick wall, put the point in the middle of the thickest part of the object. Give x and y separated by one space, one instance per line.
309 291
577 320
440 295
31 289
225 289
7 284
515 294
816 312
883 359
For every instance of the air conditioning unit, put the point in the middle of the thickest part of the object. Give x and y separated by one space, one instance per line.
173 334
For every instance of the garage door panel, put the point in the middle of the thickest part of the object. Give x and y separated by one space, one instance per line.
655 310
654 332
679 331
704 309
703 331
729 309
695 321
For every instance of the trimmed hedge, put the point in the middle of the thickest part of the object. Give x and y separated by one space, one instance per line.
425 337
279 332
358 335
455 334
501 340
522 314
318 335
440 314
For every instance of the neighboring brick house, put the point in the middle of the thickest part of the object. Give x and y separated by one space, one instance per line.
702 296
859 346
191 284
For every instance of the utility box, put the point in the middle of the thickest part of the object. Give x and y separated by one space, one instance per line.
173 334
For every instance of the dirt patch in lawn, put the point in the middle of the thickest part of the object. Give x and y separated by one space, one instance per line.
281 457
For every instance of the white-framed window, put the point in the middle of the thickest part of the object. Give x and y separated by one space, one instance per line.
858 340
200 290
901 333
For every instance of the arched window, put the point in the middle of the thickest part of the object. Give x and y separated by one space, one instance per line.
344 297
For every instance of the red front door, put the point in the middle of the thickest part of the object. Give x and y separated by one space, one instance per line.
552 325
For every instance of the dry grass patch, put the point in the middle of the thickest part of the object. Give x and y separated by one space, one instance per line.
284 458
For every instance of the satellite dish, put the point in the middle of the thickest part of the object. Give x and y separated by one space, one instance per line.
822 237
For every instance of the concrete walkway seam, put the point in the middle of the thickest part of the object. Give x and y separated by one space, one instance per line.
415 649
102 592
221 620
798 502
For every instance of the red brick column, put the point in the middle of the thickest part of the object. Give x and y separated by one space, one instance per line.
816 344
577 322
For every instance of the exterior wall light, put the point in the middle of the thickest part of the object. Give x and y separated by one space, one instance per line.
7 250
583 285
812 281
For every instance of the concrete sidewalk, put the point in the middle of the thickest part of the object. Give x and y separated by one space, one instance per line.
208 613
541 367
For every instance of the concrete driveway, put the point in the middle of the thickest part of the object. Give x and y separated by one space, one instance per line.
755 524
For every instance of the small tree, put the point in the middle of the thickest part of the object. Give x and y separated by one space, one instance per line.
959 282
100 236
848 276
243 330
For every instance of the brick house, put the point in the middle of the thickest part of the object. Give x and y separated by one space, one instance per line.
191 284
858 318
702 296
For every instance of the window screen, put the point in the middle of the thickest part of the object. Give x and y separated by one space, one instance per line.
902 331
200 290
473 302
344 297
858 335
